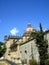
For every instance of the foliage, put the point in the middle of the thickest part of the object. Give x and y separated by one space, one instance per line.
2 48
42 44
33 62
24 61
47 62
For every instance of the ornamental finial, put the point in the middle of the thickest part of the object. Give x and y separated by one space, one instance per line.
29 25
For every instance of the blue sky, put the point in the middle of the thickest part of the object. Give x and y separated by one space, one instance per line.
15 14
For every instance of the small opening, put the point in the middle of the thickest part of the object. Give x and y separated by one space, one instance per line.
20 51
9 54
18 58
25 51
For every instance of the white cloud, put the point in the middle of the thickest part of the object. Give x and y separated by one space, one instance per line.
14 31
44 30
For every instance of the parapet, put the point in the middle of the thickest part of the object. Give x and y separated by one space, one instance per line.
6 38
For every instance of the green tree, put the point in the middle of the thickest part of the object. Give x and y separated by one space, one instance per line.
2 48
42 44
47 62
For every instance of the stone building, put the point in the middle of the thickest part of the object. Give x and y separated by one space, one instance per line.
22 49
47 38
29 50
12 52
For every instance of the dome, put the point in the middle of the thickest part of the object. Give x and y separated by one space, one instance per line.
29 28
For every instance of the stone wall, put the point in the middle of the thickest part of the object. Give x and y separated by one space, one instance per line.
28 50
47 38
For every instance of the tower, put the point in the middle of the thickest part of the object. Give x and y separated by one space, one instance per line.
28 32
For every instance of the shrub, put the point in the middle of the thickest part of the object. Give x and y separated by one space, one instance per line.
33 62
47 62
2 49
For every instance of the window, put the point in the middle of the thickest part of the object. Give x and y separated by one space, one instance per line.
20 51
9 54
25 51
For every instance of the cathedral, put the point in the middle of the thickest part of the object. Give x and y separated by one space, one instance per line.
21 49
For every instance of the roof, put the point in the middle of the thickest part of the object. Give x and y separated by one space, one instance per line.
47 31
11 37
26 42
29 30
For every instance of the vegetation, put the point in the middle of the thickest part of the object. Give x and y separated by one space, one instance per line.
42 44
2 48
33 62
47 62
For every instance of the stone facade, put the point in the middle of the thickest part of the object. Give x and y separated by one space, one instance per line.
22 49
14 53
46 36
29 50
